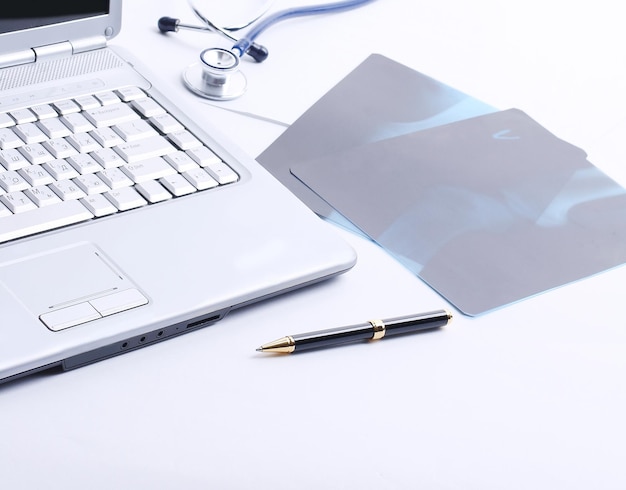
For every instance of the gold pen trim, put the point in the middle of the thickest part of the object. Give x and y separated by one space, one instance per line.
379 329
285 345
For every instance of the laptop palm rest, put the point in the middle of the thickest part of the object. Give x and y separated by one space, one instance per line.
70 286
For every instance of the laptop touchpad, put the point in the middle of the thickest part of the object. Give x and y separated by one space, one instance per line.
70 286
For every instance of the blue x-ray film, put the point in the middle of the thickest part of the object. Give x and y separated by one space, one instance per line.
487 211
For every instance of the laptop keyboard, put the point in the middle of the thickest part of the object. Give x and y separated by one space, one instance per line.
93 156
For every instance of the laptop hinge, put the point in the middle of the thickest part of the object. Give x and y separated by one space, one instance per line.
18 58
88 43
52 51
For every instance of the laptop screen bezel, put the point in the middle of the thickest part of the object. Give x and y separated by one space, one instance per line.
104 26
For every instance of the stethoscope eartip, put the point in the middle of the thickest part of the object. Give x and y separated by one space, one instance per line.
258 52
168 24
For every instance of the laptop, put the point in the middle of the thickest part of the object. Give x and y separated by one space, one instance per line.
122 222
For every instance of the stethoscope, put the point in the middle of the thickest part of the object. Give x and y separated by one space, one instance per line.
217 76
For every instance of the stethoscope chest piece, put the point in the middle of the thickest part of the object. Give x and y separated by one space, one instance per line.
216 76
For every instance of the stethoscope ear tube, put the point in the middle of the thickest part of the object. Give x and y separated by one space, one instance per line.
169 24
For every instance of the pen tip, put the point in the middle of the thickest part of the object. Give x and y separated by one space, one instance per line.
259 349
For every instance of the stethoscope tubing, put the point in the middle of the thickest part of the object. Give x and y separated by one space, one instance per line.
247 44
216 76
244 43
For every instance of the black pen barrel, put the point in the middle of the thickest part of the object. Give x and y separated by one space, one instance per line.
414 323
333 336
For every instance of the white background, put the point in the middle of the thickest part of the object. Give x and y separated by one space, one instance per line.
530 396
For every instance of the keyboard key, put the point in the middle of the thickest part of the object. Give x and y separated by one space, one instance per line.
125 198
30 133
115 178
6 120
13 159
156 146
36 154
60 169
108 98
36 175
128 94
54 128
42 196
184 140
203 156
106 137
153 191
44 111
9 140
60 148
150 169
65 107
98 205
166 123
23 116
177 185
77 123
107 158
148 107
84 164
67 190
91 184
11 181
83 142
87 102
110 115
42 219
222 173
181 161
135 130
200 179
17 202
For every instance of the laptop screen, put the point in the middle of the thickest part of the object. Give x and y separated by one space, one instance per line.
27 14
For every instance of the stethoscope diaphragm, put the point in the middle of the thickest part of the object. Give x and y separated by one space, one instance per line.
216 76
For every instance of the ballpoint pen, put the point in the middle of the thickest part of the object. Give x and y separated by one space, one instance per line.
372 330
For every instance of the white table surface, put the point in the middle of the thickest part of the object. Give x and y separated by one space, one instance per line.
531 396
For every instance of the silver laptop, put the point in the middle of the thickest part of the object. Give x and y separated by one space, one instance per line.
123 223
